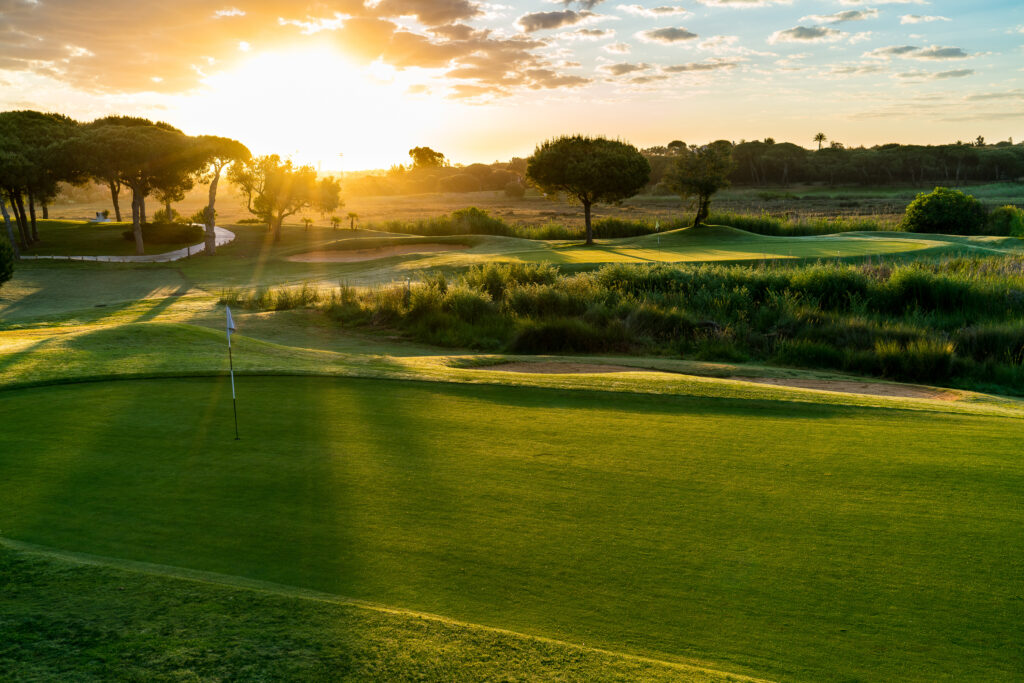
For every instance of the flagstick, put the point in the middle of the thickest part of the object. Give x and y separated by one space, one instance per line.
234 401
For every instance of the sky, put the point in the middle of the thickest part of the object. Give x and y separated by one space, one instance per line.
354 85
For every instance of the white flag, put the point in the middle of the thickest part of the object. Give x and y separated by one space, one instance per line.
231 323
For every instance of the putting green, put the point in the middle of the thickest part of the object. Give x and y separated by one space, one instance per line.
812 542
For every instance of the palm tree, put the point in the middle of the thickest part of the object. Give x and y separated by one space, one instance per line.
820 138
307 222
352 220
335 222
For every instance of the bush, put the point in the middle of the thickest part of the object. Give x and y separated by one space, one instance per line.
167 233
162 216
945 211
564 335
495 278
515 190
1006 220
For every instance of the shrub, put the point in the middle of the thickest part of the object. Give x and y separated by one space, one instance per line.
470 305
495 278
562 335
1006 220
162 216
803 353
945 211
515 190
167 233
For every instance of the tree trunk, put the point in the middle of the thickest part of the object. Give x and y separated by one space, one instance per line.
138 217
32 214
10 228
210 214
46 211
702 210
586 220
276 227
19 205
167 210
115 191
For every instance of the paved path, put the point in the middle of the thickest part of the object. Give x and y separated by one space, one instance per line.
223 237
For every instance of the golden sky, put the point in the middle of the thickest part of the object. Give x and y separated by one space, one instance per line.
355 85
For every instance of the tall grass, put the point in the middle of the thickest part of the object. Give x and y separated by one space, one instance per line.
958 321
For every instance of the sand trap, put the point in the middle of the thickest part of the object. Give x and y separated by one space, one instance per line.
839 386
557 368
851 387
353 255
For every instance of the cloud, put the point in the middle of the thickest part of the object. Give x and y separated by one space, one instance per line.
696 67
744 3
586 4
856 70
623 68
430 12
807 34
655 12
588 34
884 2
617 48
919 19
542 21
666 36
1008 95
842 17
936 76
228 12
934 52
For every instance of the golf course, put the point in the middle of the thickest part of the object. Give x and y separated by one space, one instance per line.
397 510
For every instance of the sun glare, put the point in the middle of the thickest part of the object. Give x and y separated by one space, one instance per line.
314 106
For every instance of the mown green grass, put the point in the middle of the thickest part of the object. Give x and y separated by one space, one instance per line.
82 238
819 543
69 618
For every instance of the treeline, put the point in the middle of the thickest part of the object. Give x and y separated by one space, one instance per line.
426 178
766 162
39 151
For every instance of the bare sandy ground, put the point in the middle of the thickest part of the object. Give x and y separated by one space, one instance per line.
353 255
841 386
853 387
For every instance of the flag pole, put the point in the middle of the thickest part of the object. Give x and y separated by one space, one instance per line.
231 366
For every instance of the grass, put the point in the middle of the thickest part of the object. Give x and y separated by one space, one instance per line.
88 618
678 515
79 238
648 525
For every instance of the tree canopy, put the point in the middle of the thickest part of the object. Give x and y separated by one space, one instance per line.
589 170
700 172
424 157
275 189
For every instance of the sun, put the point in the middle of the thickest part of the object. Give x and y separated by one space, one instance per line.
314 105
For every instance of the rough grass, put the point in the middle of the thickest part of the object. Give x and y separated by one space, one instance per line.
72 617
648 524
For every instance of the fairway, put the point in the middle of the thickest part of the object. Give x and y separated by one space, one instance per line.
819 543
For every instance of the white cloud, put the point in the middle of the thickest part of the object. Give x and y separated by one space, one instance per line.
228 12
666 36
934 52
655 12
841 17
921 19
617 48
807 34
744 3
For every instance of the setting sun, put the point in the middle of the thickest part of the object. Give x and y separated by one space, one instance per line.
315 106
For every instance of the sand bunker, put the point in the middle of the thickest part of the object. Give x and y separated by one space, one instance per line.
839 386
852 387
353 255
557 368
